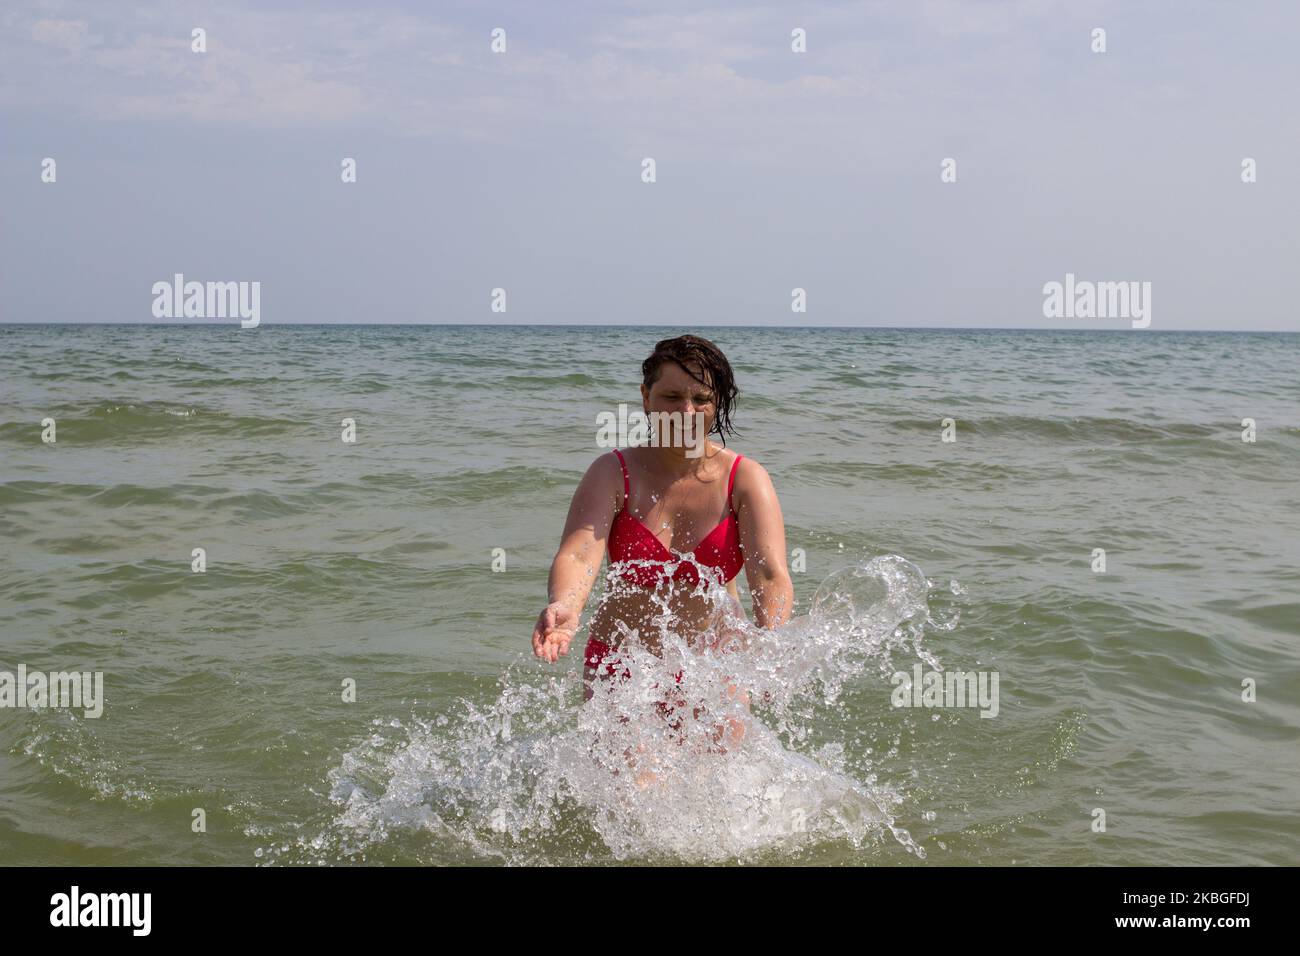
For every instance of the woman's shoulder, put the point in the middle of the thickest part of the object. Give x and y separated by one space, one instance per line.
606 470
745 463
606 463
749 473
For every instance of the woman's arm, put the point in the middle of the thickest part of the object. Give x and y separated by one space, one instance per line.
582 548
762 537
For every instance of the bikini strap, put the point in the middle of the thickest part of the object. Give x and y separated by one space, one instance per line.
627 488
731 482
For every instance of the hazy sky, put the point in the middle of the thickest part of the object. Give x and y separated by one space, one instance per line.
775 169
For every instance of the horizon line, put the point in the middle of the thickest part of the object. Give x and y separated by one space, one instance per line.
232 323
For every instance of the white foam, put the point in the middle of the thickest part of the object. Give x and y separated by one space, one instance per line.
534 777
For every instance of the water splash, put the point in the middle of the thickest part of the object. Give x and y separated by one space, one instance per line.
655 767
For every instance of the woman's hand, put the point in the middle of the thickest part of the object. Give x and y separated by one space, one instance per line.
734 692
732 729
555 628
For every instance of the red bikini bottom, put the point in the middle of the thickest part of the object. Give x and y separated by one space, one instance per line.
597 651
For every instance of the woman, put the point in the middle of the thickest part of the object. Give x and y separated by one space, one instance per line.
651 505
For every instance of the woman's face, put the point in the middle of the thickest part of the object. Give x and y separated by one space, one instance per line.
676 391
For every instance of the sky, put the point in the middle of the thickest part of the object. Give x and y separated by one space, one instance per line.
774 170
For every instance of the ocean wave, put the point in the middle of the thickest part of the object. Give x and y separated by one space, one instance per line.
1084 429
104 423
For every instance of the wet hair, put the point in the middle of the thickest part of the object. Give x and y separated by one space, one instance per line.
688 350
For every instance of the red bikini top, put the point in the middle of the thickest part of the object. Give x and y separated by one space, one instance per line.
631 540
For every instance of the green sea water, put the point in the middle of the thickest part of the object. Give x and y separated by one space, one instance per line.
373 562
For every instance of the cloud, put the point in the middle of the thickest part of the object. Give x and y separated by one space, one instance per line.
70 35
260 69
228 87
691 81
